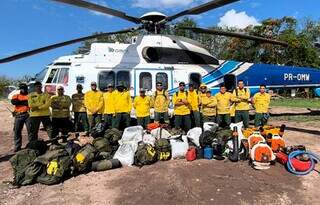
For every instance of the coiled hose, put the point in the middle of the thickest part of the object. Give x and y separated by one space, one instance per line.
313 159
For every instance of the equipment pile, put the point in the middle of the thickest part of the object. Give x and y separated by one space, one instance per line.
52 162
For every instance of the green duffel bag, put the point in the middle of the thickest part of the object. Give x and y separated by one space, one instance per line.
83 159
105 164
163 149
20 162
145 155
113 135
102 144
223 134
56 171
51 155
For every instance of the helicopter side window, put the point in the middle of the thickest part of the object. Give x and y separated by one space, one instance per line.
123 77
163 78
105 78
145 80
63 76
51 75
195 79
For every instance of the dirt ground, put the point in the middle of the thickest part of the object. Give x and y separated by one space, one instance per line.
172 182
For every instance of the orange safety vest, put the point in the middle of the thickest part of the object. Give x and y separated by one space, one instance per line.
21 108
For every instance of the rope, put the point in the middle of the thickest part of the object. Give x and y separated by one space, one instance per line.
313 158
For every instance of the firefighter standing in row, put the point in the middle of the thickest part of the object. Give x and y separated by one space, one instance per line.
21 115
209 107
122 107
161 102
261 101
142 105
241 102
181 108
109 103
79 110
224 99
60 107
93 101
194 105
39 103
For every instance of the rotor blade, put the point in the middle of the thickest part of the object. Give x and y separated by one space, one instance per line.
57 45
201 8
234 34
101 9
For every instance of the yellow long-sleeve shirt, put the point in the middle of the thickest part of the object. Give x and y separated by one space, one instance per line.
193 98
78 102
209 106
93 100
201 96
261 102
60 106
223 103
241 99
161 101
109 102
142 106
39 104
122 102
181 109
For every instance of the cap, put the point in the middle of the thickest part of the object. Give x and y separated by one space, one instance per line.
191 86
60 87
37 83
121 84
23 86
109 85
79 86
93 83
159 83
142 90
208 91
182 83
203 85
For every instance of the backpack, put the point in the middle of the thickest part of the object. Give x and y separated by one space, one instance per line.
145 155
84 158
206 138
163 149
98 130
163 93
261 156
102 144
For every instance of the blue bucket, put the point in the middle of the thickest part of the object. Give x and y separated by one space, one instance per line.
208 153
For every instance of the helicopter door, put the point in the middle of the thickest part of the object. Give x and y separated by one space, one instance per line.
230 81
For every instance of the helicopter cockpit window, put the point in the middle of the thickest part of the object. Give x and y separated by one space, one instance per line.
123 77
195 79
163 78
40 76
145 80
52 74
105 78
63 76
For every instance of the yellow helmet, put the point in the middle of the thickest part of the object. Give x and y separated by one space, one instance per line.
203 85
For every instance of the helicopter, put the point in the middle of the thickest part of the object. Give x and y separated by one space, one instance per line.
153 57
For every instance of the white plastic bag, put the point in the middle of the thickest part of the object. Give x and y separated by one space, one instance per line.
133 133
178 148
148 139
194 135
211 126
160 133
125 153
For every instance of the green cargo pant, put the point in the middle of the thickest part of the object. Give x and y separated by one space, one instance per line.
183 122
19 120
108 119
196 118
242 115
122 119
143 121
35 125
206 118
158 116
93 120
259 120
223 120
81 122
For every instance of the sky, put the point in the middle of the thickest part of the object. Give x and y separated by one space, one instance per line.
29 24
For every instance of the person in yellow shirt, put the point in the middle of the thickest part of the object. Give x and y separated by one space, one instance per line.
209 107
142 105
39 103
108 111
93 101
122 107
79 110
194 105
261 101
60 106
181 108
223 107
161 102
241 96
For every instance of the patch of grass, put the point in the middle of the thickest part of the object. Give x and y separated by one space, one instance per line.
298 118
296 102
